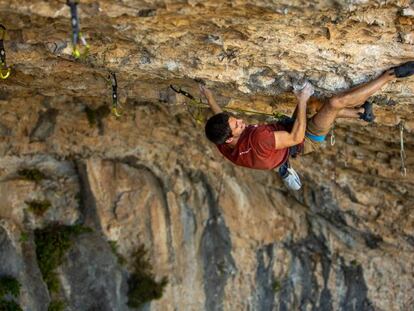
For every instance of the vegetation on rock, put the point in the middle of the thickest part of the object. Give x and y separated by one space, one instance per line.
38 207
52 243
31 174
277 286
95 115
114 248
354 263
9 305
56 305
24 237
9 286
142 286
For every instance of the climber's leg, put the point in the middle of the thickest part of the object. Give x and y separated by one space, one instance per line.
354 97
314 105
352 113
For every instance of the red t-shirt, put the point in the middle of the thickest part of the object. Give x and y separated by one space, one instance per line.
256 148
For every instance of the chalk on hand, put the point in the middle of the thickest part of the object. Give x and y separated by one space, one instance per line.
299 85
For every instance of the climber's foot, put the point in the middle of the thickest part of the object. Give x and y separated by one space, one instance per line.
368 114
404 70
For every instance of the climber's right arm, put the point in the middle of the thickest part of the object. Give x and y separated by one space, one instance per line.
210 99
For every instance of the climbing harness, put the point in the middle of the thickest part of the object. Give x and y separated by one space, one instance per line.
402 151
332 135
76 34
199 104
115 104
4 70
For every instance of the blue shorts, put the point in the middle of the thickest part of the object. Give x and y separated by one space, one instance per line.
316 138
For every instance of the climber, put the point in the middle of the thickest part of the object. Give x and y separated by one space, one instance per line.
269 146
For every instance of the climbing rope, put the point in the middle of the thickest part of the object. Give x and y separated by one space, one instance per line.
115 104
4 70
76 34
199 104
402 151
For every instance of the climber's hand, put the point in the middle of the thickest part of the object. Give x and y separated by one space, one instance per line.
205 91
304 94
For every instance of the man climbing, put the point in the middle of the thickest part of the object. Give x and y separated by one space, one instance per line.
269 146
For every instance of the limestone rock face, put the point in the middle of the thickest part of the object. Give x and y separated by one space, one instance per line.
227 238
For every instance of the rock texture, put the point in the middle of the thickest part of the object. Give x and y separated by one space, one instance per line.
227 238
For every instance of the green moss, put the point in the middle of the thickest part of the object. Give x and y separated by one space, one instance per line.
9 286
24 237
56 305
31 174
38 207
114 248
142 286
52 243
9 305
277 286
95 115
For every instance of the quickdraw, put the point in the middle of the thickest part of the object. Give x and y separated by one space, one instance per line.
197 115
198 103
402 151
182 92
76 34
4 70
115 104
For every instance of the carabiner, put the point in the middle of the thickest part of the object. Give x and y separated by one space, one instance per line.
4 74
115 112
333 140
4 70
81 53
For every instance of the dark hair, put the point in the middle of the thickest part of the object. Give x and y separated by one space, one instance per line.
218 129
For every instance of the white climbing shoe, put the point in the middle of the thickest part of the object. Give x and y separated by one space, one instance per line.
289 177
